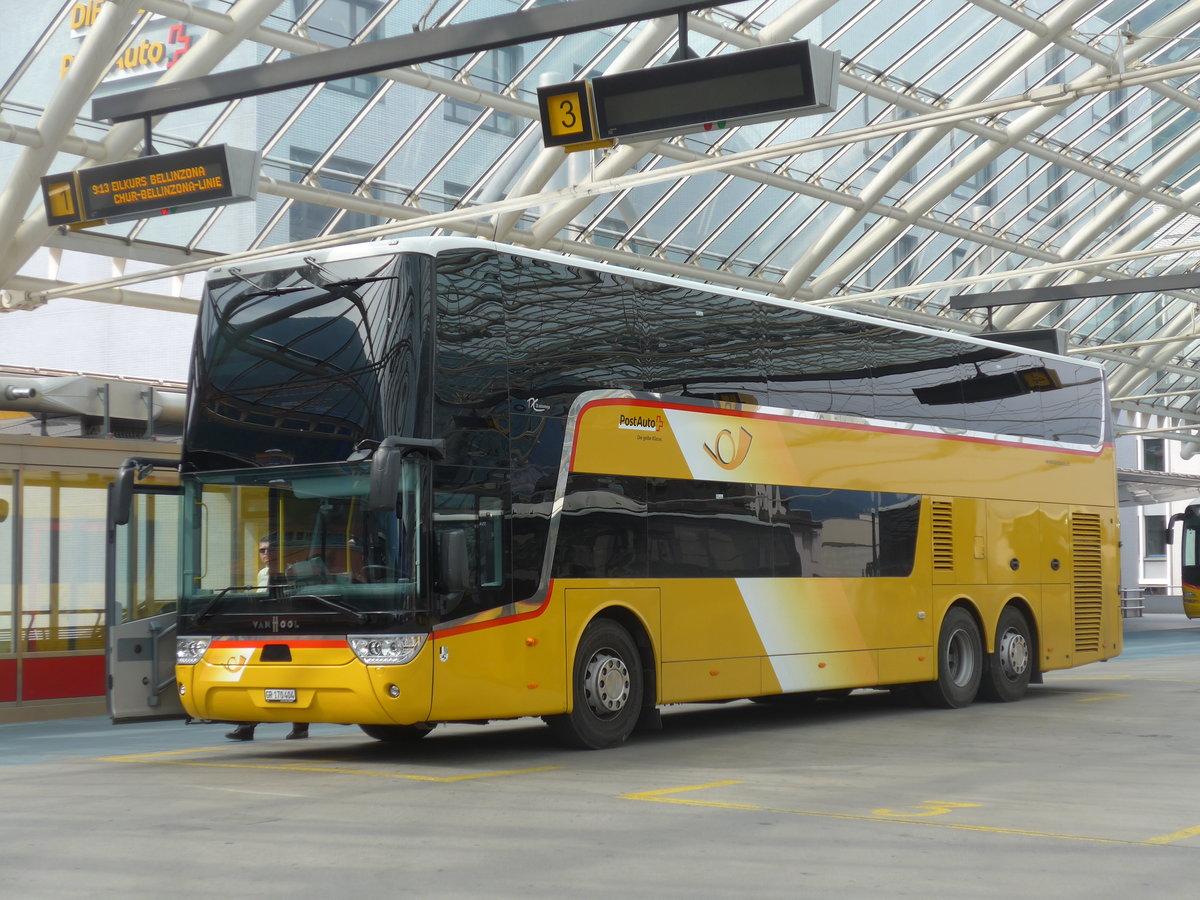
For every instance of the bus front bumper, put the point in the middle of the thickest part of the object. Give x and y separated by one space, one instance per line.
233 684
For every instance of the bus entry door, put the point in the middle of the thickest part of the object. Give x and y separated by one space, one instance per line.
141 588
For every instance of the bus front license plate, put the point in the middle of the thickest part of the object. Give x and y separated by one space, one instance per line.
280 695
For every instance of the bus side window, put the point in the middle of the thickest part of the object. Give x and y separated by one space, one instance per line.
489 533
602 529
480 519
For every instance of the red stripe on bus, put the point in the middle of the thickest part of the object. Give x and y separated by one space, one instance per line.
458 629
503 620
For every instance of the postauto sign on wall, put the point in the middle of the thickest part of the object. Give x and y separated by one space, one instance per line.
151 185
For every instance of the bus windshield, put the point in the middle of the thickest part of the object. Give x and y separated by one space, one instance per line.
299 542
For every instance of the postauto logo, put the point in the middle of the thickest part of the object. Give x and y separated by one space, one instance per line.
641 423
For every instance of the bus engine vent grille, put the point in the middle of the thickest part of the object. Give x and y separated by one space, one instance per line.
1087 585
942 520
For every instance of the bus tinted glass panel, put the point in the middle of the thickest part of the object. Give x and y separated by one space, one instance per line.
816 364
698 344
699 529
471 503
603 528
301 363
851 534
566 332
629 527
471 401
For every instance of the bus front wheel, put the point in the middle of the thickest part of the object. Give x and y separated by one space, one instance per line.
1010 667
396 734
959 663
607 684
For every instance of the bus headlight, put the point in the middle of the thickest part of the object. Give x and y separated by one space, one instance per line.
189 651
386 650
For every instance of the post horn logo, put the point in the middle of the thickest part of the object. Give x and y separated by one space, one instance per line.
729 453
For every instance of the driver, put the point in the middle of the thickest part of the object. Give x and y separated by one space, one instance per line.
268 556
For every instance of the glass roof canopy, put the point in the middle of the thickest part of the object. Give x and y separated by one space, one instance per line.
976 146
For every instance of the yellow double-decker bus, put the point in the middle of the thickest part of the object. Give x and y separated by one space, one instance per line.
435 480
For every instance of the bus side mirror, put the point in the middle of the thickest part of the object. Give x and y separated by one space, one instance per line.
122 493
121 497
452 561
1190 516
385 466
385 477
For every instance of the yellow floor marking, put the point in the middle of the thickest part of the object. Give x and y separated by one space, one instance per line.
157 753
928 808
1099 697
665 796
1175 836
162 759
329 770
660 795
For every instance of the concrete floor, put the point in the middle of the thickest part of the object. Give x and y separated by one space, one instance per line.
1089 787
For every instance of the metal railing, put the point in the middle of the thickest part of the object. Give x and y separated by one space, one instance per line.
1133 603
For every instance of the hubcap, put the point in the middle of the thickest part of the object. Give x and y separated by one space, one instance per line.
606 683
960 658
1013 654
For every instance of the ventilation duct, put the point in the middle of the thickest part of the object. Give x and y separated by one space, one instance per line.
87 395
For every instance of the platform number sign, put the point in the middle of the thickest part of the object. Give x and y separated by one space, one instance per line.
566 114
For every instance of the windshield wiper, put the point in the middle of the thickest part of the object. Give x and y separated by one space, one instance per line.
358 616
260 291
212 604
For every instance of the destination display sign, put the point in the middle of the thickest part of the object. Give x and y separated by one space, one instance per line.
775 82
152 185
770 83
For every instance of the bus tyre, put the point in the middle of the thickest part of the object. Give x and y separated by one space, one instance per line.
1010 667
396 734
607 684
959 663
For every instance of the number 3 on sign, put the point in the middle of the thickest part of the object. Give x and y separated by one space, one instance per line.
923 810
565 115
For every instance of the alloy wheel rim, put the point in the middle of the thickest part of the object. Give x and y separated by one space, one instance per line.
606 683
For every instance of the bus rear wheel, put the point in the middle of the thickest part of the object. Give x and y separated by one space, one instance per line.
396 734
1009 668
959 663
607 684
